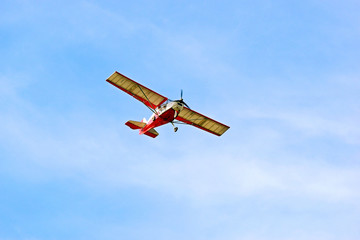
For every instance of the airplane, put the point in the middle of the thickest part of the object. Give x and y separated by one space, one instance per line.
164 110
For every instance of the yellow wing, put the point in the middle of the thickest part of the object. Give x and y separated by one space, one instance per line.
145 95
198 120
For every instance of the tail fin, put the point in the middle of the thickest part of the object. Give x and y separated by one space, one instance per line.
139 125
135 124
144 120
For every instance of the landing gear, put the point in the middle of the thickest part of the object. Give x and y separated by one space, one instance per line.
175 128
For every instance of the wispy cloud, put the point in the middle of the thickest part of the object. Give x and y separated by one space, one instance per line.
77 144
219 178
311 123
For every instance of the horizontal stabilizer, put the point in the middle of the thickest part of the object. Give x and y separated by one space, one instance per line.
152 133
135 124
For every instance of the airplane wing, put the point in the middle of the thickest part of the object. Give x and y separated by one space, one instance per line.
138 91
198 120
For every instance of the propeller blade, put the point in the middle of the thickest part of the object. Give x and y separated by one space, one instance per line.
182 100
186 104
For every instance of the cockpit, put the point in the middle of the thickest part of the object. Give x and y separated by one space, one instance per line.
176 105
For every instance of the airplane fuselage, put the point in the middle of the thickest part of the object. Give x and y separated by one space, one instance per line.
165 113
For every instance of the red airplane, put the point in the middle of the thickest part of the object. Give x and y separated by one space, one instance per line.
164 110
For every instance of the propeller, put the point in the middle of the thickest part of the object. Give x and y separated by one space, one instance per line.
177 113
182 100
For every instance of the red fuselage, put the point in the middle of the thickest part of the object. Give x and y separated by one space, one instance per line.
164 114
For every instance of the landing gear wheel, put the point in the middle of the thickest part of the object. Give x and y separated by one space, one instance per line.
175 129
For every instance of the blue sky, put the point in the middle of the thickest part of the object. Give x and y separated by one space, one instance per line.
283 74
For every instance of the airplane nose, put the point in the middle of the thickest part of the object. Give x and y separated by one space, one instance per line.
177 107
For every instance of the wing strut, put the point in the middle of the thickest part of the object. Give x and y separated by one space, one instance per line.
151 109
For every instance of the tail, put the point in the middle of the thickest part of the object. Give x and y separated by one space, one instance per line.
139 125
152 133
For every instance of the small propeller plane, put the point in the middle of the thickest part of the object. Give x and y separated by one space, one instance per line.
164 110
